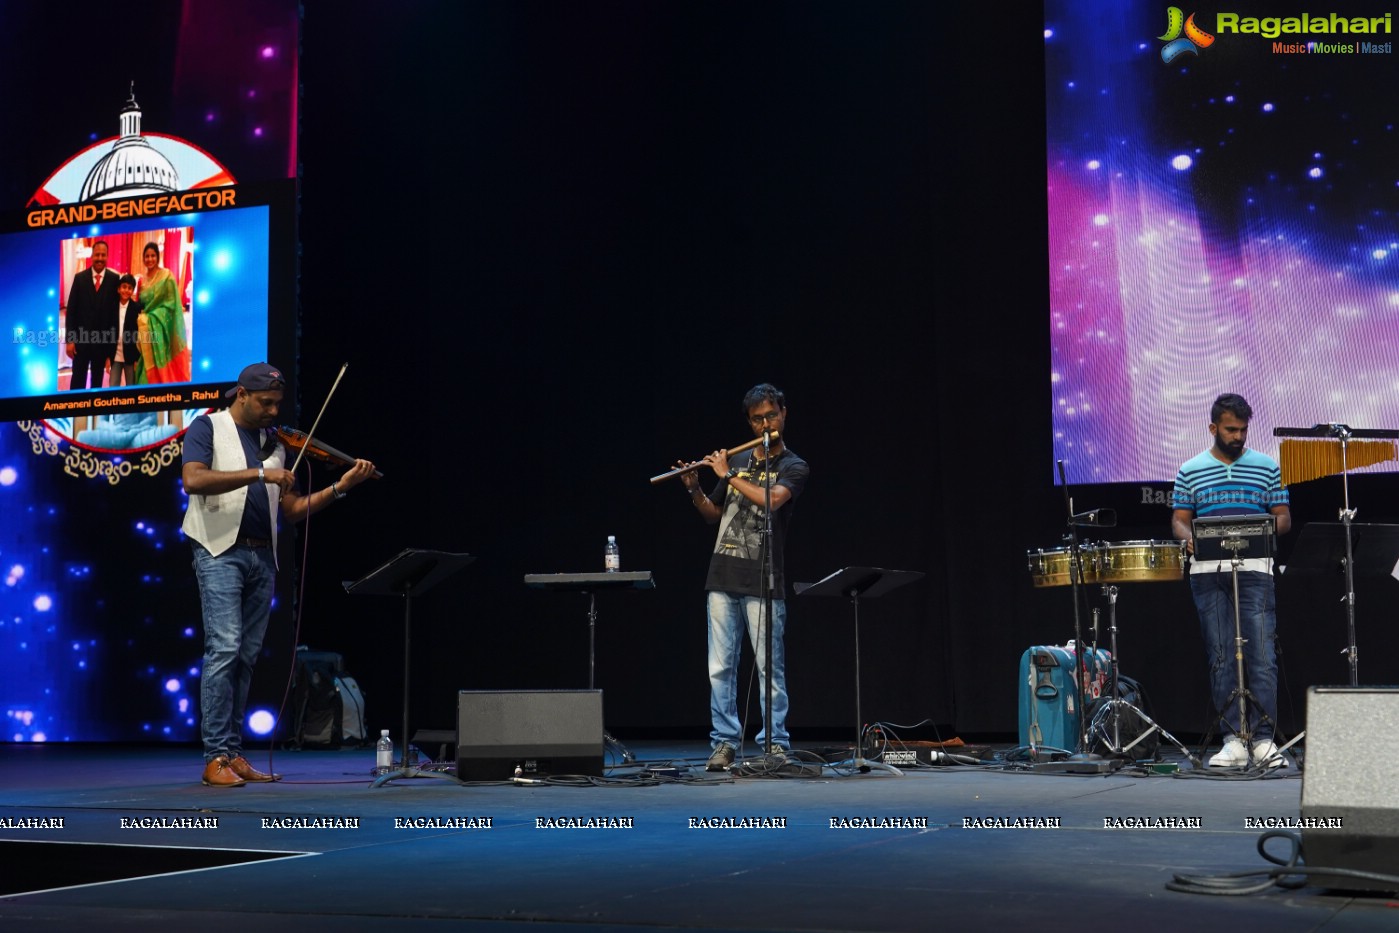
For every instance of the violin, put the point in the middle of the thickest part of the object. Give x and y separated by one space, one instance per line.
316 449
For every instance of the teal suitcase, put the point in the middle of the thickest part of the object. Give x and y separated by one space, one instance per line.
1050 702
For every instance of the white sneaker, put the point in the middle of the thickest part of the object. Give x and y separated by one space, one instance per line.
1266 754
1232 755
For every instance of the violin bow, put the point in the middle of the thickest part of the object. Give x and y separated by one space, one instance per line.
312 433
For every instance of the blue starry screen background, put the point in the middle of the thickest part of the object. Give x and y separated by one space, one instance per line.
99 637
1224 222
99 627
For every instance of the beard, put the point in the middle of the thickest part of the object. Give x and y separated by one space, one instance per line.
1233 450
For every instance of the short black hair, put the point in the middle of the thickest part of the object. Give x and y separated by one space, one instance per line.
152 245
127 279
1234 404
763 392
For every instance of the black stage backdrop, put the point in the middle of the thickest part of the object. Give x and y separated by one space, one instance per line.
558 241
564 239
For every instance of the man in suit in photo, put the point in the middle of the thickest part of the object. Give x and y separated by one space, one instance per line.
90 321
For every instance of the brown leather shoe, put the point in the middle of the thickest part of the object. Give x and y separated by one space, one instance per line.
219 773
241 767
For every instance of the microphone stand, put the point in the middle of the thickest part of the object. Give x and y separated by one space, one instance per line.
1084 752
768 583
1075 583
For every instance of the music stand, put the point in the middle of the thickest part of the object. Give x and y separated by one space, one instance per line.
854 583
1237 538
1227 537
1354 550
407 574
1322 547
590 583
1377 452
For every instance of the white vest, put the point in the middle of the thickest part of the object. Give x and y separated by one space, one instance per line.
213 521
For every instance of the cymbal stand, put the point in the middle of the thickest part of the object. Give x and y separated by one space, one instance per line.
1112 709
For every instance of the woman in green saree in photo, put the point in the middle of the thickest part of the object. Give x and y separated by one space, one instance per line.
165 355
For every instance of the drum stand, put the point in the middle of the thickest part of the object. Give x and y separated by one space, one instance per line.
1109 715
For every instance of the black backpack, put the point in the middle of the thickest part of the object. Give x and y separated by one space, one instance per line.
317 709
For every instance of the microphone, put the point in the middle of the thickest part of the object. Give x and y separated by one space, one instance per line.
1103 518
767 439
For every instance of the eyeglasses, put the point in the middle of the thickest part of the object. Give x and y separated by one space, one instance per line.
769 418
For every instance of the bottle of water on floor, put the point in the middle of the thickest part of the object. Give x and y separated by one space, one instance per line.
383 753
612 557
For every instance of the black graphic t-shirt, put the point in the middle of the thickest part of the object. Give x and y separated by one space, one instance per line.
734 568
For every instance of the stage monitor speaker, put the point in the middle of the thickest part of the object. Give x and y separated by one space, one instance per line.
1348 787
540 732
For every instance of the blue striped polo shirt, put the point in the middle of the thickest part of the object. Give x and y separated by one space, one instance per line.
1208 487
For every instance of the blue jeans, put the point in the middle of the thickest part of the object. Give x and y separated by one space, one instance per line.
729 615
1214 598
235 590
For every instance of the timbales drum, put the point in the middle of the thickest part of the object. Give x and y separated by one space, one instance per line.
1139 561
1053 566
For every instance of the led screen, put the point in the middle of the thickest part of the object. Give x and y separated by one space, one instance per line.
1223 190
223 276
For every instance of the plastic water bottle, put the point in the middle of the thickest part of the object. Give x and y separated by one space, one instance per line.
383 753
611 557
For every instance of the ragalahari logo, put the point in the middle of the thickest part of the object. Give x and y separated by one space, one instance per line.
1177 44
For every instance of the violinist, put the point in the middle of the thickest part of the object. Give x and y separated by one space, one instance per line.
235 474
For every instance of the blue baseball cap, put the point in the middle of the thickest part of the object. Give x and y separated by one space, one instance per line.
259 377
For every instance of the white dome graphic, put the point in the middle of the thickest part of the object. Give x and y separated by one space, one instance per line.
132 167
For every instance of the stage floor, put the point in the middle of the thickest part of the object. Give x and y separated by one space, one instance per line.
937 846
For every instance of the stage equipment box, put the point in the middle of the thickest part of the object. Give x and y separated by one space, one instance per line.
538 732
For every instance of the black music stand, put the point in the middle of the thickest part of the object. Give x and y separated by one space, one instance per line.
407 574
854 583
1322 547
1237 538
1228 537
1353 550
1344 434
590 583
